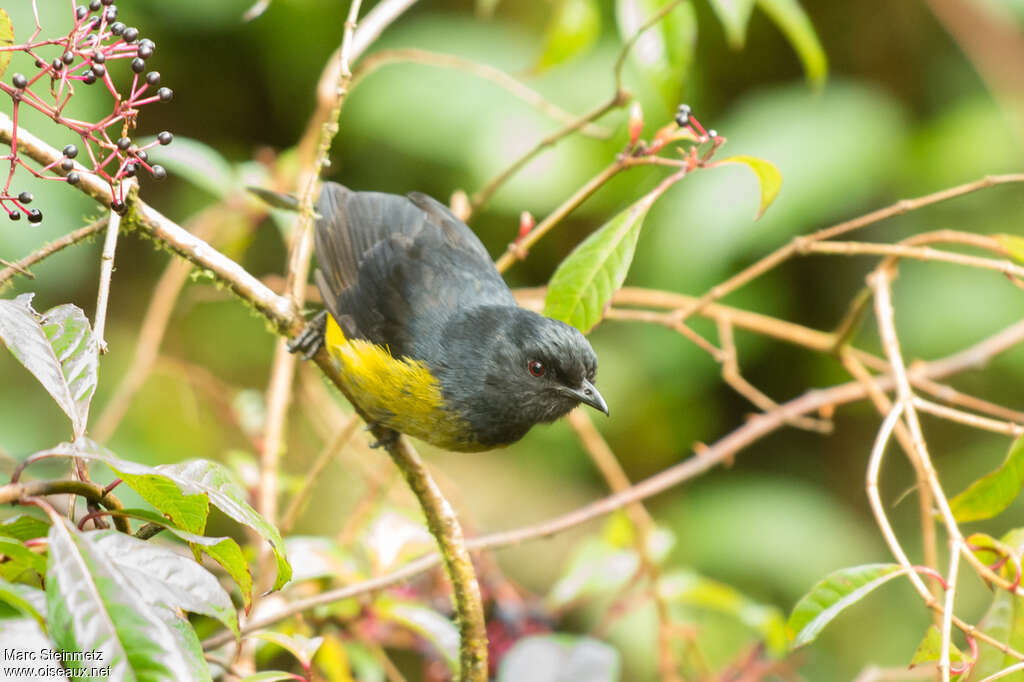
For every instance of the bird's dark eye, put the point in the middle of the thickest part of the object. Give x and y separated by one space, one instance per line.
536 368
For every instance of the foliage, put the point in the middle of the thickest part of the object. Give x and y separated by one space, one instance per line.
157 526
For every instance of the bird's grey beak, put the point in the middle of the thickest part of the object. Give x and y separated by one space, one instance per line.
589 395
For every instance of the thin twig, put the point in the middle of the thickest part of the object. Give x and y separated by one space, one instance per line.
497 76
919 253
783 253
323 459
23 265
106 271
947 609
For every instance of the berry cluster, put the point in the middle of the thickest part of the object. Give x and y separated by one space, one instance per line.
83 57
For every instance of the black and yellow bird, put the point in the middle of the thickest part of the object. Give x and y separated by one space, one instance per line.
428 338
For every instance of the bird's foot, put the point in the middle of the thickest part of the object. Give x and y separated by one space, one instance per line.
311 338
386 438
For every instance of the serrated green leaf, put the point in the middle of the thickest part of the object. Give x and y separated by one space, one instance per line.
663 53
572 30
197 163
584 283
791 19
734 16
693 590
22 555
92 606
191 477
831 595
993 492
24 527
224 550
6 40
930 649
768 177
560 658
186 511
1013 244
427 623
166 578
22 600
215 481
57 347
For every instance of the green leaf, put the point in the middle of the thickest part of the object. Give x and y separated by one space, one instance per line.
92 606
572 30
166 578
24 600
663 53
22 555
835 592
215 481
24 527
6 40
584 283
224 550
197 163
734 16
768 176
192 477
690 589
560 658
186 511
791 19
930 649
993 492
302 648
188 642
58 347
1004 621
1013 245
425 622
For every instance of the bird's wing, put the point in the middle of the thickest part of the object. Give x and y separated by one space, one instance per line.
393 269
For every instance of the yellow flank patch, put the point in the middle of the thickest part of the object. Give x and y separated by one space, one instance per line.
399 393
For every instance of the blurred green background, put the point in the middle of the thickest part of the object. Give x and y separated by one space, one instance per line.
902 113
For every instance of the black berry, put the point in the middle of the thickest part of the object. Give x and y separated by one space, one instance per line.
74 178
683 115
26 197
81 13
19 81
67 164
14 215
89 77
94 5
146 48
165 138
159 173
141 155
35 216
99 70
99 58
130 34
165 94
117 28
110 14
117 206
123 144
129 170
153 77
138 65
70 151
107 2
57 64
68 57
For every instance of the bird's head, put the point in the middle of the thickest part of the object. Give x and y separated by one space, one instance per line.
525 369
